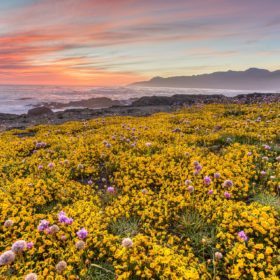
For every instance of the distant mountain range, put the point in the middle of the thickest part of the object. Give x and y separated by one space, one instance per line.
251 79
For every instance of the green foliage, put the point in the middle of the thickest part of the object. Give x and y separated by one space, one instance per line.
124 227
101 271
201 234
268 200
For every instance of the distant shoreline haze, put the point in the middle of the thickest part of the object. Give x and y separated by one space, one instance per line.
18 99
250 79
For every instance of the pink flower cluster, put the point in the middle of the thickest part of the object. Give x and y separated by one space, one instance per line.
227 195
43 225
266 147
82 233
18 247
228 183
197 167
62 217
40 145
111 190
207 180
242 235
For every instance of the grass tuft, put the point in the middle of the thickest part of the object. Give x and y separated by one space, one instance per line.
201 234
268 200
125 227
100 271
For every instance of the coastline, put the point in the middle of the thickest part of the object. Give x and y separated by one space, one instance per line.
143 106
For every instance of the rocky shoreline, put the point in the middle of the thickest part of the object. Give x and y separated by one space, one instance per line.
143 106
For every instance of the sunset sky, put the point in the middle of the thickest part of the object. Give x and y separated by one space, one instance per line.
116 42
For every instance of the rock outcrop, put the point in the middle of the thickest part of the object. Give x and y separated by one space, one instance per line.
39 111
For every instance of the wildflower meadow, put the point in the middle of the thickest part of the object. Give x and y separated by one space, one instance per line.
192 194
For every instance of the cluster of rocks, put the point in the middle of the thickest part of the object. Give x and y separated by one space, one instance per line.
143 106
93 103
44 115
179 100
185 100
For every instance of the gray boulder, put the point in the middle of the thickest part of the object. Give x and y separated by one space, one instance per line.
39 111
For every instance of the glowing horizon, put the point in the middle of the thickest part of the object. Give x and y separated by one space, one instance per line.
116 42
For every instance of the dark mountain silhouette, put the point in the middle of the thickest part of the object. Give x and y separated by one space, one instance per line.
251 79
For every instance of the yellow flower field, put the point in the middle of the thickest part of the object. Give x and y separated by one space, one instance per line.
192 194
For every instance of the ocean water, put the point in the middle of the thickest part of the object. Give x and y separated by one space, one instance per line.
19 99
